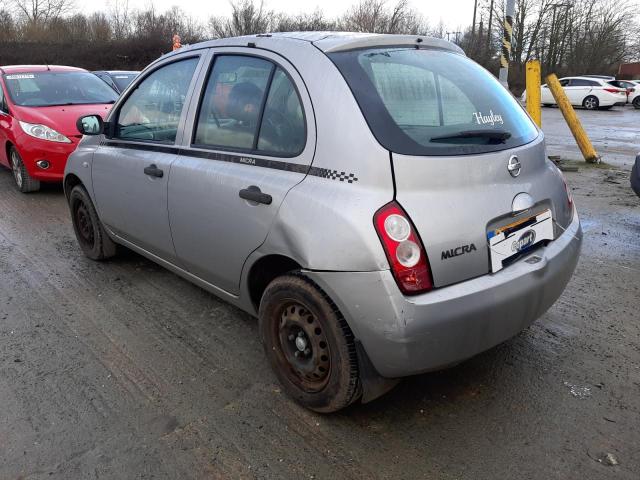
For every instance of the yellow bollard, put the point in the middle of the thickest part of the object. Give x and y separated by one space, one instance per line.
533 91
588 152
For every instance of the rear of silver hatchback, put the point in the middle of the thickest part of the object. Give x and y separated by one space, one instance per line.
481 236
420 225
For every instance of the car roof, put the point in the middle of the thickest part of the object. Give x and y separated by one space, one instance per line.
586 78
327 42
39 68
117 72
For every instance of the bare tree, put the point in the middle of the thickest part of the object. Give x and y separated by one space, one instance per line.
37 12
315 21
246 18
375 16
120 18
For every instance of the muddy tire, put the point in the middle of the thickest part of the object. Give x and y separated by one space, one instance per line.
90 233
309 344
591 102
24 181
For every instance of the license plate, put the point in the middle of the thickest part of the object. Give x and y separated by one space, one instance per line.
516 238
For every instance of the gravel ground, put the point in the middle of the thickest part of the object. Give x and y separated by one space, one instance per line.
123 370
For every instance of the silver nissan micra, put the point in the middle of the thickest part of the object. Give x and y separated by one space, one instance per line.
381 203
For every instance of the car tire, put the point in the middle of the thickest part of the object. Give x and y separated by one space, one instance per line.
309 345
90 233
636 102
25 182
591 102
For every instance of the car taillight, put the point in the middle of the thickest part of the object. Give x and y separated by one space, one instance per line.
613 90
404 250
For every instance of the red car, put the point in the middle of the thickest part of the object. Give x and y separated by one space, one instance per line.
39 107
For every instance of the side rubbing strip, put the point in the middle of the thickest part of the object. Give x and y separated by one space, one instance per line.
245 160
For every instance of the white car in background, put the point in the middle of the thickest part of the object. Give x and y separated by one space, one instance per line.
628 85
589 92
634 97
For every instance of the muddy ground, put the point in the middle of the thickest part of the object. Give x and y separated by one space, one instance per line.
123 370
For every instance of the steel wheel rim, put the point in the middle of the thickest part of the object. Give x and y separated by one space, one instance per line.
84 224
302 347
15 166
590 103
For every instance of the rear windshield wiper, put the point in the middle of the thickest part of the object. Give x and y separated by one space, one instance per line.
490 134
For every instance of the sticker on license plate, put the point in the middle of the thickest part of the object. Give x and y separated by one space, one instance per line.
507 242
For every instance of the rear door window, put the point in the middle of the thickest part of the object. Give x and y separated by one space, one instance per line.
433 102
230 110
250 105
282 130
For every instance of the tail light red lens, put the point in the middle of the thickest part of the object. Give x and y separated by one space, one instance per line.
614 90
404 250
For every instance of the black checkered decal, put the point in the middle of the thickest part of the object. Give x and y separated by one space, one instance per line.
333 174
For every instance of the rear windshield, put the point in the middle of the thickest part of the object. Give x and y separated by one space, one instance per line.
45 89
433 102
122 81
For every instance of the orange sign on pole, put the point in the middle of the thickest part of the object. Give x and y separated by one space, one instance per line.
176 42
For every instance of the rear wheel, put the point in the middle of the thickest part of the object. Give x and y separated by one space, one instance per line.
90 233
636 102
24 181
309 344
591 102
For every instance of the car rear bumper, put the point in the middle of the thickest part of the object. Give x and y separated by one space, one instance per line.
410 335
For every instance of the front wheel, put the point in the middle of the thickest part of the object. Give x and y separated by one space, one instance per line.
309 344
591 103
636 102
25 182
90 233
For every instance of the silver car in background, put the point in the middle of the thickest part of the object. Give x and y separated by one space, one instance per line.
381 203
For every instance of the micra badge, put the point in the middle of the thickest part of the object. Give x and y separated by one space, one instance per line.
454 252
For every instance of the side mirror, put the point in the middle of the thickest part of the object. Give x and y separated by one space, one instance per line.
90 125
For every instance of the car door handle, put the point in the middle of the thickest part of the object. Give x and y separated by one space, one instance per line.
253 194
153 171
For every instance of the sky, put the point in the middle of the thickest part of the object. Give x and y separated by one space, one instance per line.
454 13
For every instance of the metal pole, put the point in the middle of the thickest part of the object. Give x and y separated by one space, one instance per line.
506 43
588 152
473 26
490 27
533 91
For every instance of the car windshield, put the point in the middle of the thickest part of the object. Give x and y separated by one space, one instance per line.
45 89
433 102
122 80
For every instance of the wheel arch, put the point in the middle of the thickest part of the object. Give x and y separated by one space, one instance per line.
70 181
7 151
263 271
